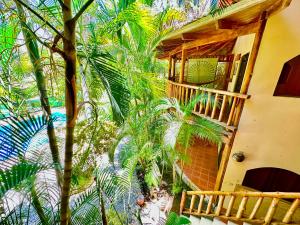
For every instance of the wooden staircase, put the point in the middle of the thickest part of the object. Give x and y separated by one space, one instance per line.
241 207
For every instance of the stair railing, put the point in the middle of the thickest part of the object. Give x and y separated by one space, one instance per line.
212 204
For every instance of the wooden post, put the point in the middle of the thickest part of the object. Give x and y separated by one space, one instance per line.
192 203
173 70
170 68
289 214
223 165
256 207
200 204
182 202
209 205
230 206
254 53
242 207
183 59
271 211
220 205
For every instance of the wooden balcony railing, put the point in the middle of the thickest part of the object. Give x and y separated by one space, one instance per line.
222 107
233 206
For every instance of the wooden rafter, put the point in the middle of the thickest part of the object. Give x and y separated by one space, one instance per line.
216 37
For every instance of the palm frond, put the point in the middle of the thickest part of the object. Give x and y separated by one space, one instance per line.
13 177
16 134
113 81
208 130
85 208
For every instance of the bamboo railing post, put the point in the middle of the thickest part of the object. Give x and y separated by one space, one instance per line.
180 93
230 206
200 204
196 95
191 95
242 207
182 202
183 59
207 104
174 91
170 67
206 107
215 106
256 207
201 101
192 203
222 108
246 196
231 111
209 205
271 211
186 96
220 205
289 214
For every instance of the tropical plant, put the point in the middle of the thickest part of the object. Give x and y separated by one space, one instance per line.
28 172
174 219
183 127
68 52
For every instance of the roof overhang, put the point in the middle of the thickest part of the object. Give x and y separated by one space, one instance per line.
239 19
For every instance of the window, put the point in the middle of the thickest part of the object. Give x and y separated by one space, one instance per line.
271 179
289 81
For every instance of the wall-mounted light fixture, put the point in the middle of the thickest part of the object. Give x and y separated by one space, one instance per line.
238 156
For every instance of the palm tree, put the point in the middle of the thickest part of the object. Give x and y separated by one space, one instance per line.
33 51
26 171
69 54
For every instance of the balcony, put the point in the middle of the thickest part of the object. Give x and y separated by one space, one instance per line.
221 107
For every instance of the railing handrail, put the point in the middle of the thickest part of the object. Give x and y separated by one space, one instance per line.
285 195
197 87
216 200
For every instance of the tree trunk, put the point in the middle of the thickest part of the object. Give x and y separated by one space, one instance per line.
38 207
103 213
33 51
69 48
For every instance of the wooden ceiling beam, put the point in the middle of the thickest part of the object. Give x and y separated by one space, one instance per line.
224 35
196 35
216 36
172 42
227 24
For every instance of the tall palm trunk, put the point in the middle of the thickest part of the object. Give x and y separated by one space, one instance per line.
33 51
69 48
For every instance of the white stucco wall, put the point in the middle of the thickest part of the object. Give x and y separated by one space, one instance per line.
269 130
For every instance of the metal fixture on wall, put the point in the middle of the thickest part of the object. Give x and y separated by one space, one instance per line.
238 156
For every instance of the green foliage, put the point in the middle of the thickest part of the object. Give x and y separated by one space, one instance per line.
182 127
12 178
116 49
112 80
16 134
116 219
94 136
85 208
8 35
174 219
